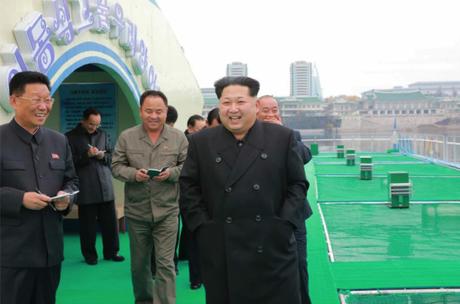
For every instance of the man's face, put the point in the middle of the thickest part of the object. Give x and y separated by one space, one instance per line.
199 125
268 109
92 123
153 113
33 106
237 110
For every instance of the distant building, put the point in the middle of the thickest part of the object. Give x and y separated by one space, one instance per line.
380 102
237 69
437 88
304 79
210 100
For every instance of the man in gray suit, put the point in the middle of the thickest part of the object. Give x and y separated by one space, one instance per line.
151 206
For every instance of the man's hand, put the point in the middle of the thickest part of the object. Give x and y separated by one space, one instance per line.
141 175
100 154
62 203
93 151
162 176
35 201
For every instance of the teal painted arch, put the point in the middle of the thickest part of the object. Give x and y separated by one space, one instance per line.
118 71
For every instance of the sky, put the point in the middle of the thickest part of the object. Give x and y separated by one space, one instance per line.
357 45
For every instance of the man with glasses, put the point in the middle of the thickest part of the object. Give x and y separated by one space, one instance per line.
92 156
35 165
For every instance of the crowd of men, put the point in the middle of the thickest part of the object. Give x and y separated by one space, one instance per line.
236 180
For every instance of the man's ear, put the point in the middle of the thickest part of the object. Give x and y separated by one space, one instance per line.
13 101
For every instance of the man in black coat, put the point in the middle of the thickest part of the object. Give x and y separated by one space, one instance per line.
35 164
243 191
268 111
92 158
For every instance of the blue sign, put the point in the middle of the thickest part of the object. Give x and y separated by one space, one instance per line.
76 97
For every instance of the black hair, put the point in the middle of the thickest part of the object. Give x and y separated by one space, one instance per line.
192 120
90 111
251 83
153 93
213 114
20 80
171 115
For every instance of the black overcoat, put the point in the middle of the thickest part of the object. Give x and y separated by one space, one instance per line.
95 174
244 203
32 238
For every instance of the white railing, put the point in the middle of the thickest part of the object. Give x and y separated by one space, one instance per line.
436 147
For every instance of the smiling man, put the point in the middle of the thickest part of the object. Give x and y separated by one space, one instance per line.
35 164
242 193
151 206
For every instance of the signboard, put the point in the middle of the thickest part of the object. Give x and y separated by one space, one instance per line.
76 97
61 21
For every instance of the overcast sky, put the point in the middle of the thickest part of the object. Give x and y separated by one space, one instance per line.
356 45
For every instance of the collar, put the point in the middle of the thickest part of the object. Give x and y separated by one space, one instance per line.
224 138
23 134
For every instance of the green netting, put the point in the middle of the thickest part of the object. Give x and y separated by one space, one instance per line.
369 232
379 169
352 189
332 157
424 298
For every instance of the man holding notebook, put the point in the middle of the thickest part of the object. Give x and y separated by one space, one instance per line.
36 174
151 206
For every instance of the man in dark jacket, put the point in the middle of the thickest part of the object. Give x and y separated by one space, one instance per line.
35 164
92 158
243 191
268 111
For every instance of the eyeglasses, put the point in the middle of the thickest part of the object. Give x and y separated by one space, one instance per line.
35 100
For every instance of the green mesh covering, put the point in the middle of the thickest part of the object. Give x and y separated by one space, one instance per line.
414 169
352 189
421 298
332 157
378 233
375 247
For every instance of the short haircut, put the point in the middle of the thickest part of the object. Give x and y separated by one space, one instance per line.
192 120
267 96
154 94
251 83
20 80
171 115
90 111
214 114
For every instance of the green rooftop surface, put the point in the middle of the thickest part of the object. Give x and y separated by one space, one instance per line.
376 248
422 298
352 189
378 233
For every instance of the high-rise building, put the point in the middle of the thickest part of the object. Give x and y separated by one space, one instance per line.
305 79
210 100
237 69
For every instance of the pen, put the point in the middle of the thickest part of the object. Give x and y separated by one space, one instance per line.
50 204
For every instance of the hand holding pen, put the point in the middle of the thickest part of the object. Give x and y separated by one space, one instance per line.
36 200
95 152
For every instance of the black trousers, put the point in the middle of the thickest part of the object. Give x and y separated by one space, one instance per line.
29 285
89 216
193 257
301 238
